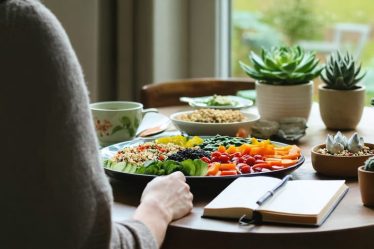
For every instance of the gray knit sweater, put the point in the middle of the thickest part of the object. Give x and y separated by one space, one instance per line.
53 191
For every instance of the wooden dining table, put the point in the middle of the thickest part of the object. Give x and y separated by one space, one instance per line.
350 225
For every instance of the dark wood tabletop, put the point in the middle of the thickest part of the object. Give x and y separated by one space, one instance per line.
350 225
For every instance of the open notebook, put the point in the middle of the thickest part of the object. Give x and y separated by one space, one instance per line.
306 202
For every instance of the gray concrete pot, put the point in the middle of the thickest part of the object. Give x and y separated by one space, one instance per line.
341 109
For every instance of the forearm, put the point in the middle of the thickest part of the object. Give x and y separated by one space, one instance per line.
154 217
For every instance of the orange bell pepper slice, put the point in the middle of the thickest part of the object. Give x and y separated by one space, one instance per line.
213 169
245 149
288 162
221 148
227 166
231 149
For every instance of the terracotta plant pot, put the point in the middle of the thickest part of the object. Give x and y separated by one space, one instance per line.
366 182
337 166
341 109
275 102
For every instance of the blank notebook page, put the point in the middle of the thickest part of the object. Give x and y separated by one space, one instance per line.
303 197
243 192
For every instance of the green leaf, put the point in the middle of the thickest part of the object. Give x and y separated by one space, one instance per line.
130 168
170 166
131 131
271 64
125 121
119 166
310 66
201 167
358 79
324 79
250 72
116 129
257 60
108 163
188 167
290 66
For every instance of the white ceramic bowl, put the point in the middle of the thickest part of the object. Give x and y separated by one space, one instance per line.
211 129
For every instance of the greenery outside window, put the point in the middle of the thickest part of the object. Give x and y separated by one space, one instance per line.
320 26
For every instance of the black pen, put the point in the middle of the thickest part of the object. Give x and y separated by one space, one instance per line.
270 193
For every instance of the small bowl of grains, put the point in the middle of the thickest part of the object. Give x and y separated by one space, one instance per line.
210 122
341 157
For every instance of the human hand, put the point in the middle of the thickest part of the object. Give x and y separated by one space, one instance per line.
171 193
164 199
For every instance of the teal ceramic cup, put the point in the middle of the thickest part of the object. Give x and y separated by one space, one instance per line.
117 121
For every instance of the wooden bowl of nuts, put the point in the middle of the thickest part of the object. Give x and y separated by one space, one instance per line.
332 159
210 122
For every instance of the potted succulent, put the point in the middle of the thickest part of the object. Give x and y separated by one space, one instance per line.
366 182
340 156
284 85
341 98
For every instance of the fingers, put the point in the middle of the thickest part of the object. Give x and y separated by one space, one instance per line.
185 188
178 175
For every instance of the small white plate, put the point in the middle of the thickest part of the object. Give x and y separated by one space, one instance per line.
200 102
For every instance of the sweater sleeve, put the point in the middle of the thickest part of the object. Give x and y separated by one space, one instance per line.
52 186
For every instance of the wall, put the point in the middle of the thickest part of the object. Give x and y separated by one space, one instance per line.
80 20
184 39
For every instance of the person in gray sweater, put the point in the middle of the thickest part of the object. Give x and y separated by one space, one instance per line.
53 190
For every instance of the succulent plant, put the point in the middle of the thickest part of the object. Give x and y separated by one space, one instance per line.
341 72
355 143
333 146
283 66
369 164
339 142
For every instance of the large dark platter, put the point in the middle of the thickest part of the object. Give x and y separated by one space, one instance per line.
212 184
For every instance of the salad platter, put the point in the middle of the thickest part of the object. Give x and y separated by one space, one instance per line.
209 162
218 102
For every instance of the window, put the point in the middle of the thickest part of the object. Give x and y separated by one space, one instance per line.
319 25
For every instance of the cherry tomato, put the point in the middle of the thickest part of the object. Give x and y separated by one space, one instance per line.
205 159
242 133
224 159
258 157
215 154
214 159
250 161
237 154
245 169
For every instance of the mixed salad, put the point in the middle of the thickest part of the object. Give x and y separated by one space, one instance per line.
213 156
218 100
